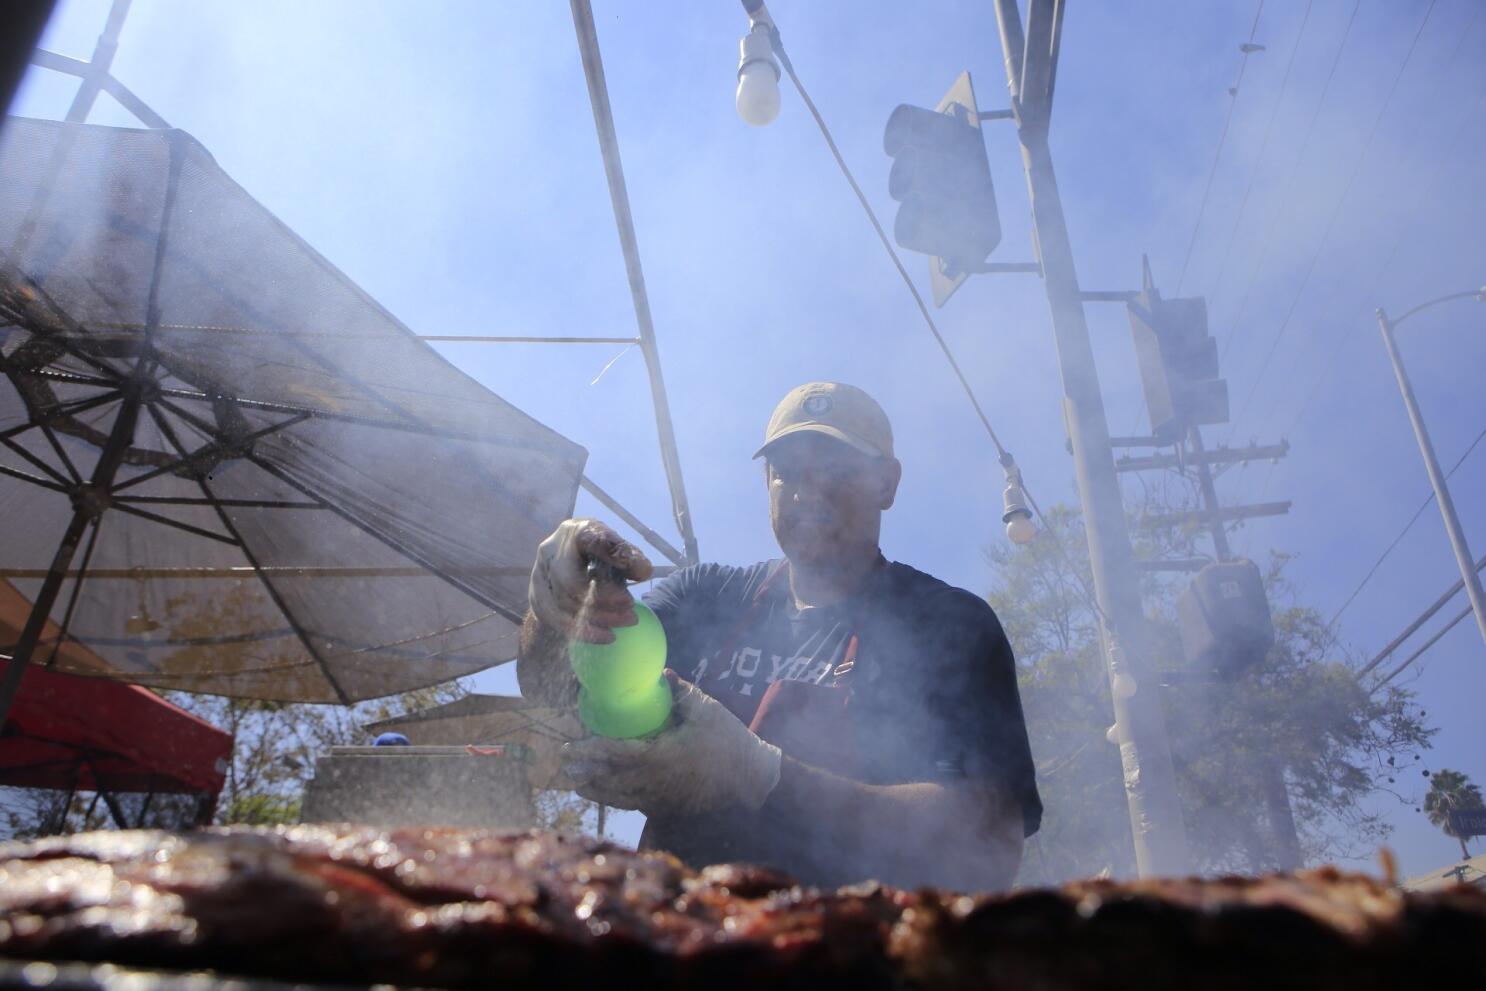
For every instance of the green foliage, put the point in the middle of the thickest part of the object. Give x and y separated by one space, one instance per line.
262 810
275 745
1451 790
1297 738
274 752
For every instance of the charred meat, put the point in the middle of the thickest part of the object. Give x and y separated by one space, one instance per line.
468 908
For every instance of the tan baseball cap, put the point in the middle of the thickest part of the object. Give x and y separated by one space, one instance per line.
839 411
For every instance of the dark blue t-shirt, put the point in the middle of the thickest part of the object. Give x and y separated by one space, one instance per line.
933 693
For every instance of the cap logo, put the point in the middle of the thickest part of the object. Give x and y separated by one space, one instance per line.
818 404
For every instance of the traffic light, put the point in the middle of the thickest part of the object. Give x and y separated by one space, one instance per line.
941 176
1178 363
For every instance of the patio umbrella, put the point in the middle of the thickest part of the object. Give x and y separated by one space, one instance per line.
223 467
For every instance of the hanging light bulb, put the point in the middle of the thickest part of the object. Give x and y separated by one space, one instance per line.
758 76
1017 517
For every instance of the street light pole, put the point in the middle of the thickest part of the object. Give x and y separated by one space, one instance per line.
1453 528
1156 824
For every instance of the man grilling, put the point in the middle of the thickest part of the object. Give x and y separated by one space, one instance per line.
837 716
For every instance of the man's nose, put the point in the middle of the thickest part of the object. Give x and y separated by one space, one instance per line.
809 488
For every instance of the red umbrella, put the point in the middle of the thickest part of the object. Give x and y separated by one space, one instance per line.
92 734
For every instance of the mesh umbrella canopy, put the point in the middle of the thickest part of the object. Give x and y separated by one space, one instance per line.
312 505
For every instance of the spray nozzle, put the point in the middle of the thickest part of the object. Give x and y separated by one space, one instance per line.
603 571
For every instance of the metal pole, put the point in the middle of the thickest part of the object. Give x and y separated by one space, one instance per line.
100 64
1150 780
88 504
603 119
1453 529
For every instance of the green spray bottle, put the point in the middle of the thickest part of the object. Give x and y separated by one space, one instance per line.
623 692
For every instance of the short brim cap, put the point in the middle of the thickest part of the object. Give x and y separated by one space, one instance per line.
832 409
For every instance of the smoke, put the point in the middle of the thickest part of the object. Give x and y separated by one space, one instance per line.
448 165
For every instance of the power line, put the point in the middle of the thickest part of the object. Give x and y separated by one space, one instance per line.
1413 627
1005 457
1274 114
1243 64
1423 189
1402 533
1425 646
1305 144
1139 404
1335 214
923 308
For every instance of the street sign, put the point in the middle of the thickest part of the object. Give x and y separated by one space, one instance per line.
1466 823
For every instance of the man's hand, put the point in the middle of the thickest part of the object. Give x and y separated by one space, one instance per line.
560 590
705 759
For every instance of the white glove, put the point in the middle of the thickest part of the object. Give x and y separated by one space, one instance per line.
705 759
564 598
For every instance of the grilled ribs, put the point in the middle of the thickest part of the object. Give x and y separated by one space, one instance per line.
469 908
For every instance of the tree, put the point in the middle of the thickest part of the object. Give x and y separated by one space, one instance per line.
1449 790
276 745
1297 738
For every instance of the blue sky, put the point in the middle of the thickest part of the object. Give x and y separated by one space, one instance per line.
443 156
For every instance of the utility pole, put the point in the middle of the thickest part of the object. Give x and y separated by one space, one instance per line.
1150 781
1179 370
1276 795
1437 480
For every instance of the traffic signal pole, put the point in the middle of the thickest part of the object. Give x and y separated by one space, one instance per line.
1150 781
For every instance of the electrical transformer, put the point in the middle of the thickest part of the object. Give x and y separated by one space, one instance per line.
1224 619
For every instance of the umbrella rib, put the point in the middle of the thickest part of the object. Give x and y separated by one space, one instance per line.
77 587
13 473
411 425
76 406
220 444
421 429
70 326
177 524
71 409
60 478
252 559
243 503
51 436
406 552
278 599
73 378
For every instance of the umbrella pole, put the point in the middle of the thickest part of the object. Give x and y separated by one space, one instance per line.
41 609
87 507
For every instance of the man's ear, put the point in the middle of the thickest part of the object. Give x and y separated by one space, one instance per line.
890 473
